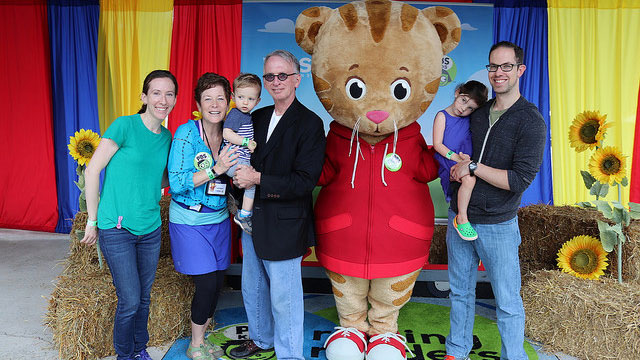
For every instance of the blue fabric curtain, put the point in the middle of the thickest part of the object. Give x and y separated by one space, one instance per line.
73 29
525 23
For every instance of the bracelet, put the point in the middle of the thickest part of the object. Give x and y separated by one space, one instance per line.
210 173
92 222
245 142
450 154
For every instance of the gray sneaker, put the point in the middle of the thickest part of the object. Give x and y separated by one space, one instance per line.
244 222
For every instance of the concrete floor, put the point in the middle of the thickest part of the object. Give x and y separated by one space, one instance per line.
29 263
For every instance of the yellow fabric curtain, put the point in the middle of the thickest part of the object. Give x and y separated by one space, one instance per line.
593 65
134 39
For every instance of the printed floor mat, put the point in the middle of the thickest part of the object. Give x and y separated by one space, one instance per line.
424 322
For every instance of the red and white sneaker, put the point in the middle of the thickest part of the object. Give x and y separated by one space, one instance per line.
388 346
346 344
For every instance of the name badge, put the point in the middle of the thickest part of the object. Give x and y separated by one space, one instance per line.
216 187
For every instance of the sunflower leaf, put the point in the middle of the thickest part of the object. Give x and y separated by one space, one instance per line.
617 228
604 208
634 210
626 217
608 236
599 189
586 205
624 182
79 170
587 178
618 214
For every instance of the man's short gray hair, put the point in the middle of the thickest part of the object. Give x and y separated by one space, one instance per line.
287 56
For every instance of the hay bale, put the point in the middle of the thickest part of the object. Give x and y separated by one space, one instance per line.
82 307
588 319
438 250
544 228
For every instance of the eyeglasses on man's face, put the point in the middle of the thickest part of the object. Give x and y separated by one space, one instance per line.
281 76
506 67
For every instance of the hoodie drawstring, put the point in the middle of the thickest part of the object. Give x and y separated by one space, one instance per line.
354 134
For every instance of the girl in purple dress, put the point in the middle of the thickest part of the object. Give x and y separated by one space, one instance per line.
452 141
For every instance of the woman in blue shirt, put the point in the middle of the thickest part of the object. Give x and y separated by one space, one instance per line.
198 217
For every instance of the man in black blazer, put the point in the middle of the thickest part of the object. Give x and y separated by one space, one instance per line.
286 167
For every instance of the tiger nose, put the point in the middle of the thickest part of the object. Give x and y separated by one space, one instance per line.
377 116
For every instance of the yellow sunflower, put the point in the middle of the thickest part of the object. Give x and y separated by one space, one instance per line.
583 256
607 165
232 104
587 130
82 145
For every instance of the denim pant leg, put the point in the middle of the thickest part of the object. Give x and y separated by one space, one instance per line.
132 278
255 295
287 307
148 253
463 270
498 248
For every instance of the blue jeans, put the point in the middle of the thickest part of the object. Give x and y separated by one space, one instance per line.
249 192
497 247
273 298
133 260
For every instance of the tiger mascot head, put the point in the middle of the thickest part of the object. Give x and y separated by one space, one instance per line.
377 64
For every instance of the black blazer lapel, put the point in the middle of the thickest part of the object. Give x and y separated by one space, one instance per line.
285 122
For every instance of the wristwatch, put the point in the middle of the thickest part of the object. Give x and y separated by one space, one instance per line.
472 167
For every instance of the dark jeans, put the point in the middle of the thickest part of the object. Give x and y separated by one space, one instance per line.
133 260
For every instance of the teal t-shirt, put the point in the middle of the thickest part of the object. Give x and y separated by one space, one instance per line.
133 178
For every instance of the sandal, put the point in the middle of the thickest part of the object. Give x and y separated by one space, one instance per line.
199 352
465 231
214 349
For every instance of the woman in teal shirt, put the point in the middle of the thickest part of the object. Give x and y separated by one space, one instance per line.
134 151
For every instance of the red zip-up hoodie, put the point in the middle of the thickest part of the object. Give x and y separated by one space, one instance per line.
372 222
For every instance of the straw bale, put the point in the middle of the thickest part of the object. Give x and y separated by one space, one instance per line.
82 307
165 248
544 228
85 258
588 319
438 250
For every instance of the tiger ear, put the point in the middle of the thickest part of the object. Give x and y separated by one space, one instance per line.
447 25
308 25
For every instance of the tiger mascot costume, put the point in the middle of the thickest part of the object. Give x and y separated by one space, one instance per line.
376 67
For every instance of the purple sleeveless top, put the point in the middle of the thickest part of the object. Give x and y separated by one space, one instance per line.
457 137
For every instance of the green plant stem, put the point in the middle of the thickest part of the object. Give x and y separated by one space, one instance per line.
619 242
620 262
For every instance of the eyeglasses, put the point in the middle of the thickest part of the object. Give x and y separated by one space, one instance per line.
281 76
506 67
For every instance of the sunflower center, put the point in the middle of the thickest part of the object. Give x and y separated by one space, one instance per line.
589 130
584 261
85 148
610 165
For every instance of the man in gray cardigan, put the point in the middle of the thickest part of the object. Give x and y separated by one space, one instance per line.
508 135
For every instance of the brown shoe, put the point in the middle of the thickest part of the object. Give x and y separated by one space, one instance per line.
247 349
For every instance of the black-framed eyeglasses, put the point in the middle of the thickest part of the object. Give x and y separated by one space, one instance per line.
506 67
281 76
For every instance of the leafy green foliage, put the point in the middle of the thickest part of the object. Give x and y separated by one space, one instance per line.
599 189
587 178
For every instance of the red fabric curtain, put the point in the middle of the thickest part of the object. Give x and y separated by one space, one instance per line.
27 179
206 38
634 195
